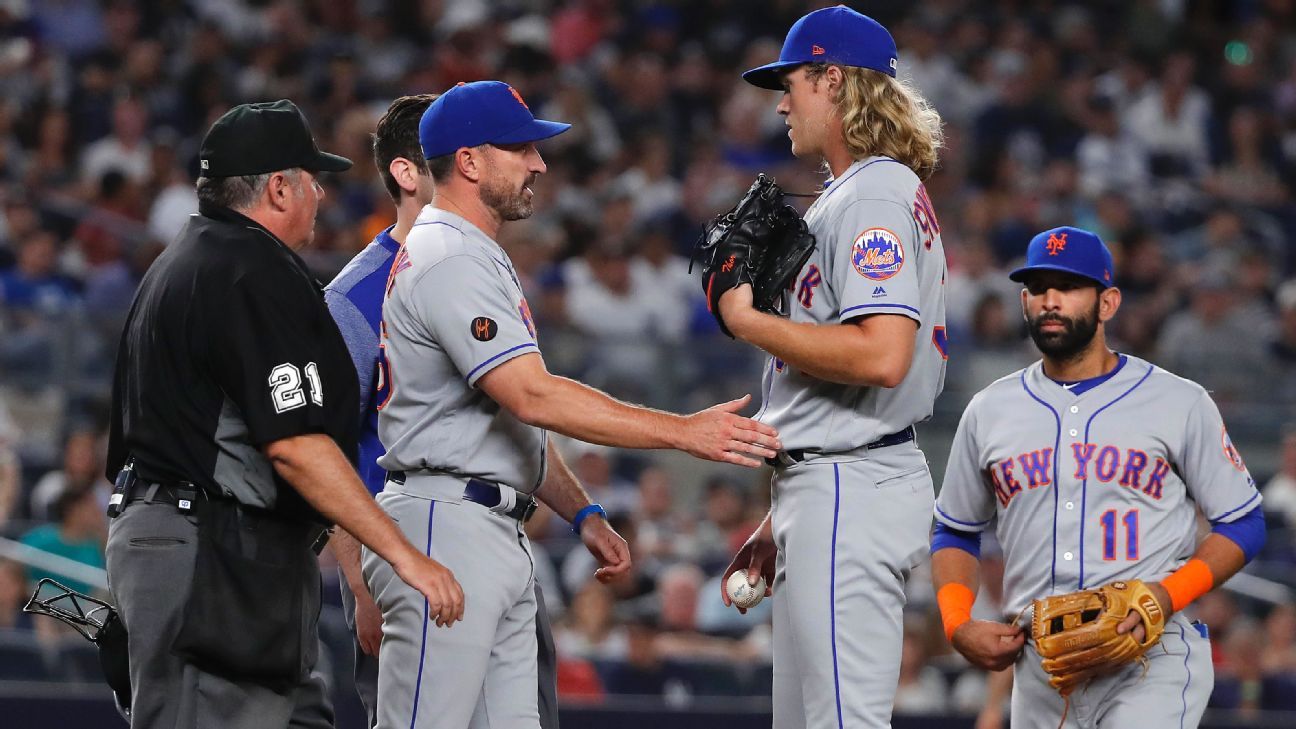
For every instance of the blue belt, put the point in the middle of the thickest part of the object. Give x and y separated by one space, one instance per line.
487 494
797 455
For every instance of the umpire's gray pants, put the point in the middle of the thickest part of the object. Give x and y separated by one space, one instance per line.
366 666
151 553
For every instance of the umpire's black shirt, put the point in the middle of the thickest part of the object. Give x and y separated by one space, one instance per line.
228 347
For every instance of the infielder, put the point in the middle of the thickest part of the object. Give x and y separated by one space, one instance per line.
1094 464
860 359
355 299
465 425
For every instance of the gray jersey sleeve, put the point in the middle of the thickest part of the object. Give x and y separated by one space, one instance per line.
1213 470
470 312
876 270
965 502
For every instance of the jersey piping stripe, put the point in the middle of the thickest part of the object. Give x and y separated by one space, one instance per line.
510 350
962 523
1057 441
1084 483
879 306
832 591
769 389
1184 696
1226 514
418 682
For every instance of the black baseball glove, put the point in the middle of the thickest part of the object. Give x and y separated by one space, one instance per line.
762 241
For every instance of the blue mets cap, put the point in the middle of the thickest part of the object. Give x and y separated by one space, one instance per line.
482 112
831 35
1070 250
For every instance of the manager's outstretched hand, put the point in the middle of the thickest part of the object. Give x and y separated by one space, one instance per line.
720 434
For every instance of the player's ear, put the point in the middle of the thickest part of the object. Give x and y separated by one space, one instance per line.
405 173
835 78
469 162
1025 311
1109 300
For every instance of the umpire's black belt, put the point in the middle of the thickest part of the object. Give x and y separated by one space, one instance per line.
797 455
186 497
487 494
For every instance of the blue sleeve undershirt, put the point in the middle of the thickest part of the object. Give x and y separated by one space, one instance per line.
944 536
1247 531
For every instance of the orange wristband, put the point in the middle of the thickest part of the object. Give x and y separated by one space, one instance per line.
1188 583
955 600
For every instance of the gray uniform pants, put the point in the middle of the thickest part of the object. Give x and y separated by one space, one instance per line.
481 672
1172 694
366 666
151 553
848 531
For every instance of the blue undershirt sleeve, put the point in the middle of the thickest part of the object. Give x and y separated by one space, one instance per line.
1248 532
943 536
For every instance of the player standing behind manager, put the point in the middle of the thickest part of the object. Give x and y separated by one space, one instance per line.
465 425
860 359
355 299
1091 443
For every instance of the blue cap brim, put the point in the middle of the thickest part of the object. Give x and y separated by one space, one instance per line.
532 131
1020 274
770 76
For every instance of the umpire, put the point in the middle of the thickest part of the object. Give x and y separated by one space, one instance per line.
232 438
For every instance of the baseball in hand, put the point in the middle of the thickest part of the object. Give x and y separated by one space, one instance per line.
742 594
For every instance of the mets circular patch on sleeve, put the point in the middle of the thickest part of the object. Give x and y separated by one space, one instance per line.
877 254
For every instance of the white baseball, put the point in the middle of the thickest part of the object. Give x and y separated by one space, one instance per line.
742 594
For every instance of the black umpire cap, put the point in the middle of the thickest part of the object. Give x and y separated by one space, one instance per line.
253 139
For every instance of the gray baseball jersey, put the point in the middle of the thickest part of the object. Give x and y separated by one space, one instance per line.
454 311
878 251
1091 488
851 522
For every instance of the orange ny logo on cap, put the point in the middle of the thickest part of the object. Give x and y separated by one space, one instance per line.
1056 243
817 50
518 96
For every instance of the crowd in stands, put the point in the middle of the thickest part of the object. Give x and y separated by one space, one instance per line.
1167 126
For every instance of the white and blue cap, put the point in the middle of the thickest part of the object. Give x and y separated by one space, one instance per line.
831 35
481 112
1069 250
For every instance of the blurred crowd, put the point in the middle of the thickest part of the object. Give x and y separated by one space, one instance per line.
1168 126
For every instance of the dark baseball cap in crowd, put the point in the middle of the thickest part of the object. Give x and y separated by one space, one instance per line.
831 35
1070 250
253 139
482 112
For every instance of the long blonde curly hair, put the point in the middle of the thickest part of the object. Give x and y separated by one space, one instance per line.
885 116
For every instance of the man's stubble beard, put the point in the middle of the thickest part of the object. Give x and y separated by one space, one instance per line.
508 203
